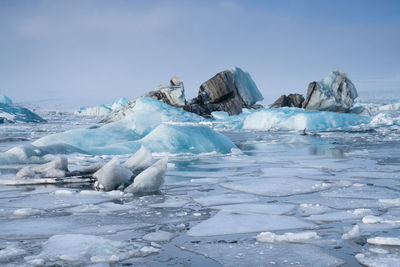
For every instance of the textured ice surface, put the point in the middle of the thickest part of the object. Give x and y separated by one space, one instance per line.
250 254
159 236
158 126
101 110
246 86
266 208
277 186
372 259
340 215
12 113
293 119
225 223
387 241
112 175
268 237
78 248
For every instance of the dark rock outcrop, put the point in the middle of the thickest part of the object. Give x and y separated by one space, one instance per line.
292 100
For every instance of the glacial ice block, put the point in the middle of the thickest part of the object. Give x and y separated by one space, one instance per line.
293 119
12 113
150 180
246 87
158 126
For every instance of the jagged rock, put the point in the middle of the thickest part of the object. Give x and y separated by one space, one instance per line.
334 93
292 100
230 91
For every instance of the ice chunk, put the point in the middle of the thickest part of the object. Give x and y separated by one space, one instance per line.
225 223
150 180
276 186
26 172
268 237
119 103
159 236
352 233
310 209
246 86
101 110
12 113
186 139
26 212
57 168
140 160
340 215
5 100
82 248
293 119
112 175
386 241
11 252
381 260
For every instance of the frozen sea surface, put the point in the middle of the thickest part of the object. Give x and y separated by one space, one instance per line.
280 198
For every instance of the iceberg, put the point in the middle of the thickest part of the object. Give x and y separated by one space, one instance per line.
156 125
335 93
5 100
101 110
294 119
10 113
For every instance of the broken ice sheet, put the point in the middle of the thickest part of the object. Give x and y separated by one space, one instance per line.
340 215
276 187
262 208
222 199
251 254
77 249
361 191
225 223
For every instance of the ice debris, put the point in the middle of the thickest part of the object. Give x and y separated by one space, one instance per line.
386 241
150 180
56 168
352 233
140 160
269 237
101 110
112 176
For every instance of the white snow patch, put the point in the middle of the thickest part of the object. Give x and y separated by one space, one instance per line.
386 241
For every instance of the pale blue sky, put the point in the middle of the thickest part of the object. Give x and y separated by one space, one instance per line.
87 52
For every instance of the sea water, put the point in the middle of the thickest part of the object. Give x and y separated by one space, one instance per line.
327 198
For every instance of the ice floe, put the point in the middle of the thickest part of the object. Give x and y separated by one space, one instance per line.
225 223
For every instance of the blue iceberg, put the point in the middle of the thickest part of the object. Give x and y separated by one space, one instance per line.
10 113
158 126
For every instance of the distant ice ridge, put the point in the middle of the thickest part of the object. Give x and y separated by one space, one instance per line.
101 110
10 113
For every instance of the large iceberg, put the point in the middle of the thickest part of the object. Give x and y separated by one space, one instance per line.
158 126
294 119
10 113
